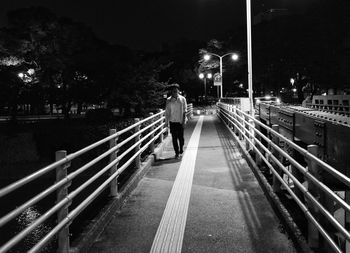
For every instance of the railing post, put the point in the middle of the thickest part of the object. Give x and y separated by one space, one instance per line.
258 159
235 127
230 113
276 184
151 146
61 173
242 126
313 235
137 138
347 220
246 132
114 183
161 136
297 173
251 135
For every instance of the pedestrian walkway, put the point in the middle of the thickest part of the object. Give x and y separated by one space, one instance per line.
208 201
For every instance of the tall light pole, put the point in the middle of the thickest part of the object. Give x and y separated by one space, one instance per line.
249 49
234 57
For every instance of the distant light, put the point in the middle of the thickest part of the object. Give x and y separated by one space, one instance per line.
201 75
241 85
294 90
209 75
20 75
207 57
324 94
292 81
30 71
268 97
278 100
235 57
258 101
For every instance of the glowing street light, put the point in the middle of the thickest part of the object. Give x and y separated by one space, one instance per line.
207 57
292 81
31 71
234 57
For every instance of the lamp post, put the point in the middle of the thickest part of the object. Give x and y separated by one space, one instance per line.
250 63
234 57
204 77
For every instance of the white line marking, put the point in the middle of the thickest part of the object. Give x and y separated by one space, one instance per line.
171 229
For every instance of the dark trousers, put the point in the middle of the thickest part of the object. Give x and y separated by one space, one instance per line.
177 134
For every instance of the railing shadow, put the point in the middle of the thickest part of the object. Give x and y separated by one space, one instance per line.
248 192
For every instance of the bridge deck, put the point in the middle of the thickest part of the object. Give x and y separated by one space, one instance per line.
209 201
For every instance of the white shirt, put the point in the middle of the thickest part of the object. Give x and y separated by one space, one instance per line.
175 109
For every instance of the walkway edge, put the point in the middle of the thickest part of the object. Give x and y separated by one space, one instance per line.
97 225
292 229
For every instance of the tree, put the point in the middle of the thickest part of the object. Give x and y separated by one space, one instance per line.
55 45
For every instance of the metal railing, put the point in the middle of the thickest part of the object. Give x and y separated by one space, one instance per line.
143 135
311 199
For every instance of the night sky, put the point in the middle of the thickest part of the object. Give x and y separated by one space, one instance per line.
145 24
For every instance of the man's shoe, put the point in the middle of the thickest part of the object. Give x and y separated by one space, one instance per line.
177 156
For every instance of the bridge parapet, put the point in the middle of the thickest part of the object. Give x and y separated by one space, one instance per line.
125 148
301 173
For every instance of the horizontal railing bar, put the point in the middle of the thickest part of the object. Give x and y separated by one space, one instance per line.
11 215
139 132
22 234
139 123
13 186
52 166
139 142
126 164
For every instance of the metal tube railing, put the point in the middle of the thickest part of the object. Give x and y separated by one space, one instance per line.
92 196
157 130
305 172
69 158
343 178
240 123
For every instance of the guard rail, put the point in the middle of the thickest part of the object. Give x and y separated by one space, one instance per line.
143 135
312 197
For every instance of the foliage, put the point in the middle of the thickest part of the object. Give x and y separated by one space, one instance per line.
70 66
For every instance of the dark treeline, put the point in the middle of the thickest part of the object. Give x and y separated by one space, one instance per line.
47 60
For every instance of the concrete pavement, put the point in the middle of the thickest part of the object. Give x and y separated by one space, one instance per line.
209 201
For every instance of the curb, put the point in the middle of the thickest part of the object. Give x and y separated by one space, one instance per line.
112 208
291 228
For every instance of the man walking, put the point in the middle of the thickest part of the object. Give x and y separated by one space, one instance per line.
175 116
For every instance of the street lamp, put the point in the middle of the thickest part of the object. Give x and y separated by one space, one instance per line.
234 57
292 81
204 77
